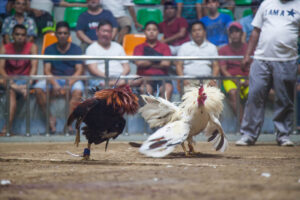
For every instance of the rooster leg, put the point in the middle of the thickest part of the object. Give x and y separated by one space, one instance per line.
86 153
77 139
191 148
184 149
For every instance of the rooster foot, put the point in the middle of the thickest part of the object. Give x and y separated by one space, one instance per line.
86 153
86 157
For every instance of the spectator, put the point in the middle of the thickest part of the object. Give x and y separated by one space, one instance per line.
20 17
106 47
118 9
174 28
61 68
4 4
216 24
191 10
198 46
233 67
246 21
17 67
153 47
88 22
274 38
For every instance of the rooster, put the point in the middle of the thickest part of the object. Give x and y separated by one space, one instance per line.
199 111
103 115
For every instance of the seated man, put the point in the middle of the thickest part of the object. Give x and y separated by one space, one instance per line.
153 47
61 68
20 17
199 46
174 28
17 67
106 47
118 9
88 22
233 67
216 24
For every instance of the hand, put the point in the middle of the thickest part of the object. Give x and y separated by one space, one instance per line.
246 62
138 26
212 83
57 90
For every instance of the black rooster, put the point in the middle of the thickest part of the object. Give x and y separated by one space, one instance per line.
103 115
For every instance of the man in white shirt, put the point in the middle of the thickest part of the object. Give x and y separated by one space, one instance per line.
198 46
276 29
118 9
106 47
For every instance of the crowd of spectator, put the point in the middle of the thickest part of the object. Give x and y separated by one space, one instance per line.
189 28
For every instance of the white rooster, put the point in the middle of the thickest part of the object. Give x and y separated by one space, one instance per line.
199 111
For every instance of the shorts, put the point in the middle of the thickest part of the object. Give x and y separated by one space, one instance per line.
78 85
229 85
157 84
124 21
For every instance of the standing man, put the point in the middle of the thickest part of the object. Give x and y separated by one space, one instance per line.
191 10
88 22
61 68
198 46
118 9
106 47
17 67
20 17
274 38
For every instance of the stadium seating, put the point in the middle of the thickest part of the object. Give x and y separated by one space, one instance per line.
226 11
145 15
130 41
247 12
72 14
146 1
49 39
243 2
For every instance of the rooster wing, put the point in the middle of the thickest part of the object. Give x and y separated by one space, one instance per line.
157 111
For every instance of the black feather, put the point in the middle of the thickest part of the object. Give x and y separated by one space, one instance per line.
220 144
158 144
214 135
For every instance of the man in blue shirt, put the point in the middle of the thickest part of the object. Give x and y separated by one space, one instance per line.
61 68
88 22
216 24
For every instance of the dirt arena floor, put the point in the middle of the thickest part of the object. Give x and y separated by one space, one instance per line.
46 171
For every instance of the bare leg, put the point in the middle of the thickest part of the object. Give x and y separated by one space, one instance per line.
12 111
168 91
233 103
41 100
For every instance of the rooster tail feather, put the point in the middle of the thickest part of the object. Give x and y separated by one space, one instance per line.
164 140
216 135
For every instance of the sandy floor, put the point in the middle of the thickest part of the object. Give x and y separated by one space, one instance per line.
46 171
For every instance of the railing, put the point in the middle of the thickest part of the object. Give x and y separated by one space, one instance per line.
107 78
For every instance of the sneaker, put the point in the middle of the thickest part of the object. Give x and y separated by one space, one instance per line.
285 141
245 141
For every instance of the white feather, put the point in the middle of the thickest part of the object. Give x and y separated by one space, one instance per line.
164 140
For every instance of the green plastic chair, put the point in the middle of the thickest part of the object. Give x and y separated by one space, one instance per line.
226 11
146 1
72 14
145 15
243 2
247 12
76 1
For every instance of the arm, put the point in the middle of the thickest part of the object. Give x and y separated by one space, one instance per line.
34 62
94 70
2 63
143 63
126 70
199 10
78 72
179 9
6 39
251 46
30 39
83 37
114 33
178 35
215 72
133 16
67 4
